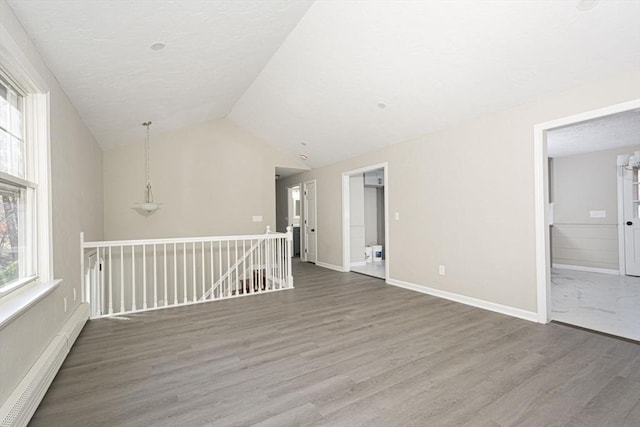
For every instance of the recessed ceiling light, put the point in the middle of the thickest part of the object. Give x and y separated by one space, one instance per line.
158 46
586 4
303 156
382 105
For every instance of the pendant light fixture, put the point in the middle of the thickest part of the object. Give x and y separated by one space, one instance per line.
148 206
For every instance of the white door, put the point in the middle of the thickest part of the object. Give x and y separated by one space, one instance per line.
631 202
310 234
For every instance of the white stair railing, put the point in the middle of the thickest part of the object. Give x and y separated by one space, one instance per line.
129 276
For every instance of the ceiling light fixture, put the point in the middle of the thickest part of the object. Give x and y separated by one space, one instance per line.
157 46
586 4
303 156
148 206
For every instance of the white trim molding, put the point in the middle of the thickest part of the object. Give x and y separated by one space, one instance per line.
587 269
330 266
25 398
346 217
463 299
541 196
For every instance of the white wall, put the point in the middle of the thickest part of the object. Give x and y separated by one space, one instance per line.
582 183
76 186
211 178
465 198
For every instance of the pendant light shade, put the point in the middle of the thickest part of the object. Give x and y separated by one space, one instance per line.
148 206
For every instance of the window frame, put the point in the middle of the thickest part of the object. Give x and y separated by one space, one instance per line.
36 182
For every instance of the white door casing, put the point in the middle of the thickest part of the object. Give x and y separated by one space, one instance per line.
310 222
631 221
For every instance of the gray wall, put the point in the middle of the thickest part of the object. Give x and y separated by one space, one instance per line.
465 198
357 217
580 184
76 198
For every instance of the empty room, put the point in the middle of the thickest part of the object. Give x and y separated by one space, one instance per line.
319 213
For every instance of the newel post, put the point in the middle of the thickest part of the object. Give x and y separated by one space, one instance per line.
289 255
82 279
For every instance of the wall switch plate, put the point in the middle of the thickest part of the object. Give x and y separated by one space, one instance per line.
257 218
597 214
64 303
396 216
441 270
74 294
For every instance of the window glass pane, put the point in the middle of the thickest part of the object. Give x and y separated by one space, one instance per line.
12 234
15 112
5 152
4 107
17 151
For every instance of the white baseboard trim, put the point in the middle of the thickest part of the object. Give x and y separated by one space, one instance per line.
330 266
587 269
24 400
486 305
359 264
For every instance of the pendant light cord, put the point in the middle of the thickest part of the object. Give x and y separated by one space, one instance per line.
148 196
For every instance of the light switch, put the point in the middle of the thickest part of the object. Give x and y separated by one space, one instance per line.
598 214
396 216
257 218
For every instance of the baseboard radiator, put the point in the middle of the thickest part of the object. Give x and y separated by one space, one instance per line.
23 402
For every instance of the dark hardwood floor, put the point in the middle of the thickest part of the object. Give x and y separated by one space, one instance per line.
341 350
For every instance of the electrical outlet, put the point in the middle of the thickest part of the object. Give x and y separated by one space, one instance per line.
396 216
441 270
64 301
74 294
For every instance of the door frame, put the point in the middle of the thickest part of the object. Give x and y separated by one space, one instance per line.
346 217
291 209
541 196
303 222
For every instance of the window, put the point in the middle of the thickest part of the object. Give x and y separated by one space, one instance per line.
17 192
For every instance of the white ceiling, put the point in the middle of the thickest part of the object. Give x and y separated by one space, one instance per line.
433 63
100 52
605 133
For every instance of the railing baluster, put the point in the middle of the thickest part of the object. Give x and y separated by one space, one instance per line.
110 285
195 277
133 278
235 263
212 276
175 274
228 266
121 279
155 278
203 270
244 267
184 270
164 258
253 269
99 276
144 277
220 266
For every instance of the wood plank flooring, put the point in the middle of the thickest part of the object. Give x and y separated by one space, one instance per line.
341 350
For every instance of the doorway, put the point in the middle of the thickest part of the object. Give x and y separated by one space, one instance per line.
294 213
365 221
309 229
580 165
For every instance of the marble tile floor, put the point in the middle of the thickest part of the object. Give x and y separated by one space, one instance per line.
374 269
601 302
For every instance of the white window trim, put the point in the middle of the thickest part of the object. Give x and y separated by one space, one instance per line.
36 109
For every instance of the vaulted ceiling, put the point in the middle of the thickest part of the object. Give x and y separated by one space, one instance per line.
330 79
